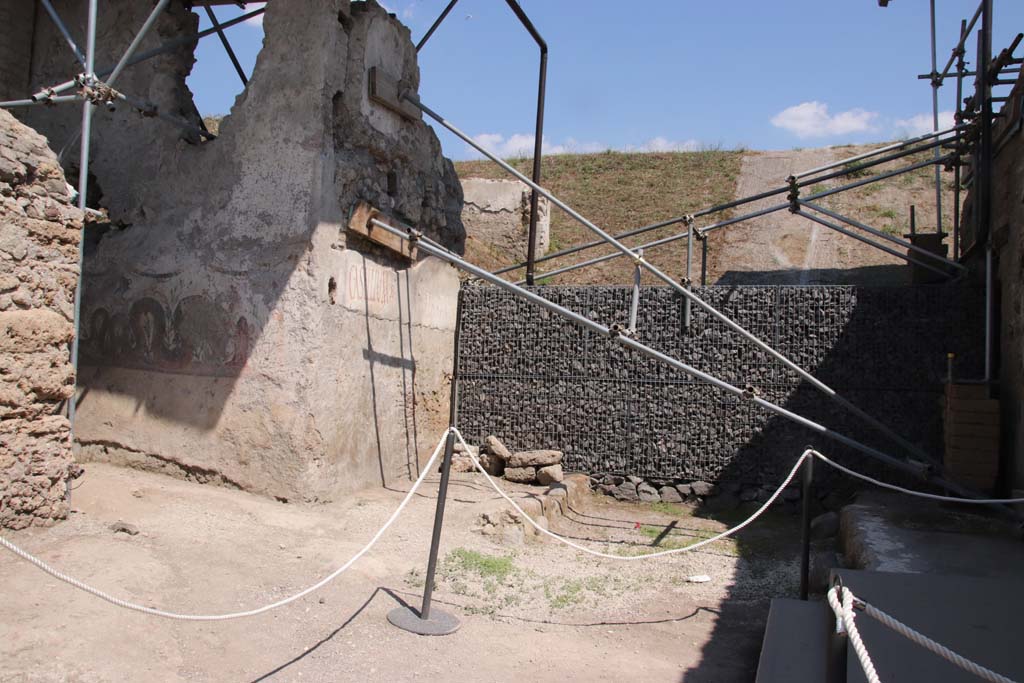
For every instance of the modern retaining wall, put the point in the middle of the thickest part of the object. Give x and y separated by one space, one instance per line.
539 382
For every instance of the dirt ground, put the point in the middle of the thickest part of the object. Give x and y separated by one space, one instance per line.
534 611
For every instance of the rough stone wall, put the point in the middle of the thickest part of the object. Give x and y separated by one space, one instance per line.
497 212
538 382
1008 227
16 21
39 232
232 332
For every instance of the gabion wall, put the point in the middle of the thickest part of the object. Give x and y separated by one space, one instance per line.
537 381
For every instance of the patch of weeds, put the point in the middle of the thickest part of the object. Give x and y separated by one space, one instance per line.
671 509
566 593
415 579
485 566
852 170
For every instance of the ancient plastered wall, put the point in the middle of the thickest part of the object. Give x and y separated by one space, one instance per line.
497 213
231 331
16 21
1008 227
39 231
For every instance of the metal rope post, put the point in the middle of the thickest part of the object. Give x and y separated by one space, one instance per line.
688 220
806 491
428 621
634 305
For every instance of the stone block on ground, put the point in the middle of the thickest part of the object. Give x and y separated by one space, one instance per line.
538 458
551 474
703 489
492 464
521 475
494 446
825 526
647 493
625 491
670 494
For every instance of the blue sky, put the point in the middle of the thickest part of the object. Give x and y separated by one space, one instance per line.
665 74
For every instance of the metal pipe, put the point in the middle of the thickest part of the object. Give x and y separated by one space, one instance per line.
703 259
713 226
538 134
83 190
59 99
446 467
878 233
225 43
166 47
433 27
936 83
960 45
139 37
806 491
64 31
876 245
728 205
983 173
634 305
880 150
989 318
629 342
960 65
689 262
726 320
913 220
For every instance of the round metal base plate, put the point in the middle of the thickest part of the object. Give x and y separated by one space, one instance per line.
440 623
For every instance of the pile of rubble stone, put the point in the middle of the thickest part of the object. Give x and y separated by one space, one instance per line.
543 467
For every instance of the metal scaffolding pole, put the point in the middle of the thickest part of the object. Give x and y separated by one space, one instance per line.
889 238
64 32
729 322
538 131
634 304
746 394
224 41
936 83
83 190
714 226
736 202
876 245
139 37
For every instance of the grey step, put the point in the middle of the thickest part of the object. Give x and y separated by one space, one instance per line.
795 646
979 618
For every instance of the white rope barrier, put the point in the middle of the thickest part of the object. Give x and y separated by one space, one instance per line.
233 615
845 614
846 619
646 556
919 494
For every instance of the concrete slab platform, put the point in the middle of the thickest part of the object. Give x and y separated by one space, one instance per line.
979 618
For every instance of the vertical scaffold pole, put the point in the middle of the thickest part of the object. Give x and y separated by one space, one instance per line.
936 84
703 258
806 491
634 305
429 621
689 266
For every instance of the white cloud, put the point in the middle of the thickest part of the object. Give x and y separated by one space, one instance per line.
812 119
921 124
661 144
521 145
408 12
258 19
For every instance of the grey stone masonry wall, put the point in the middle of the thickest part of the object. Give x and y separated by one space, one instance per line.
537 381
39 231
